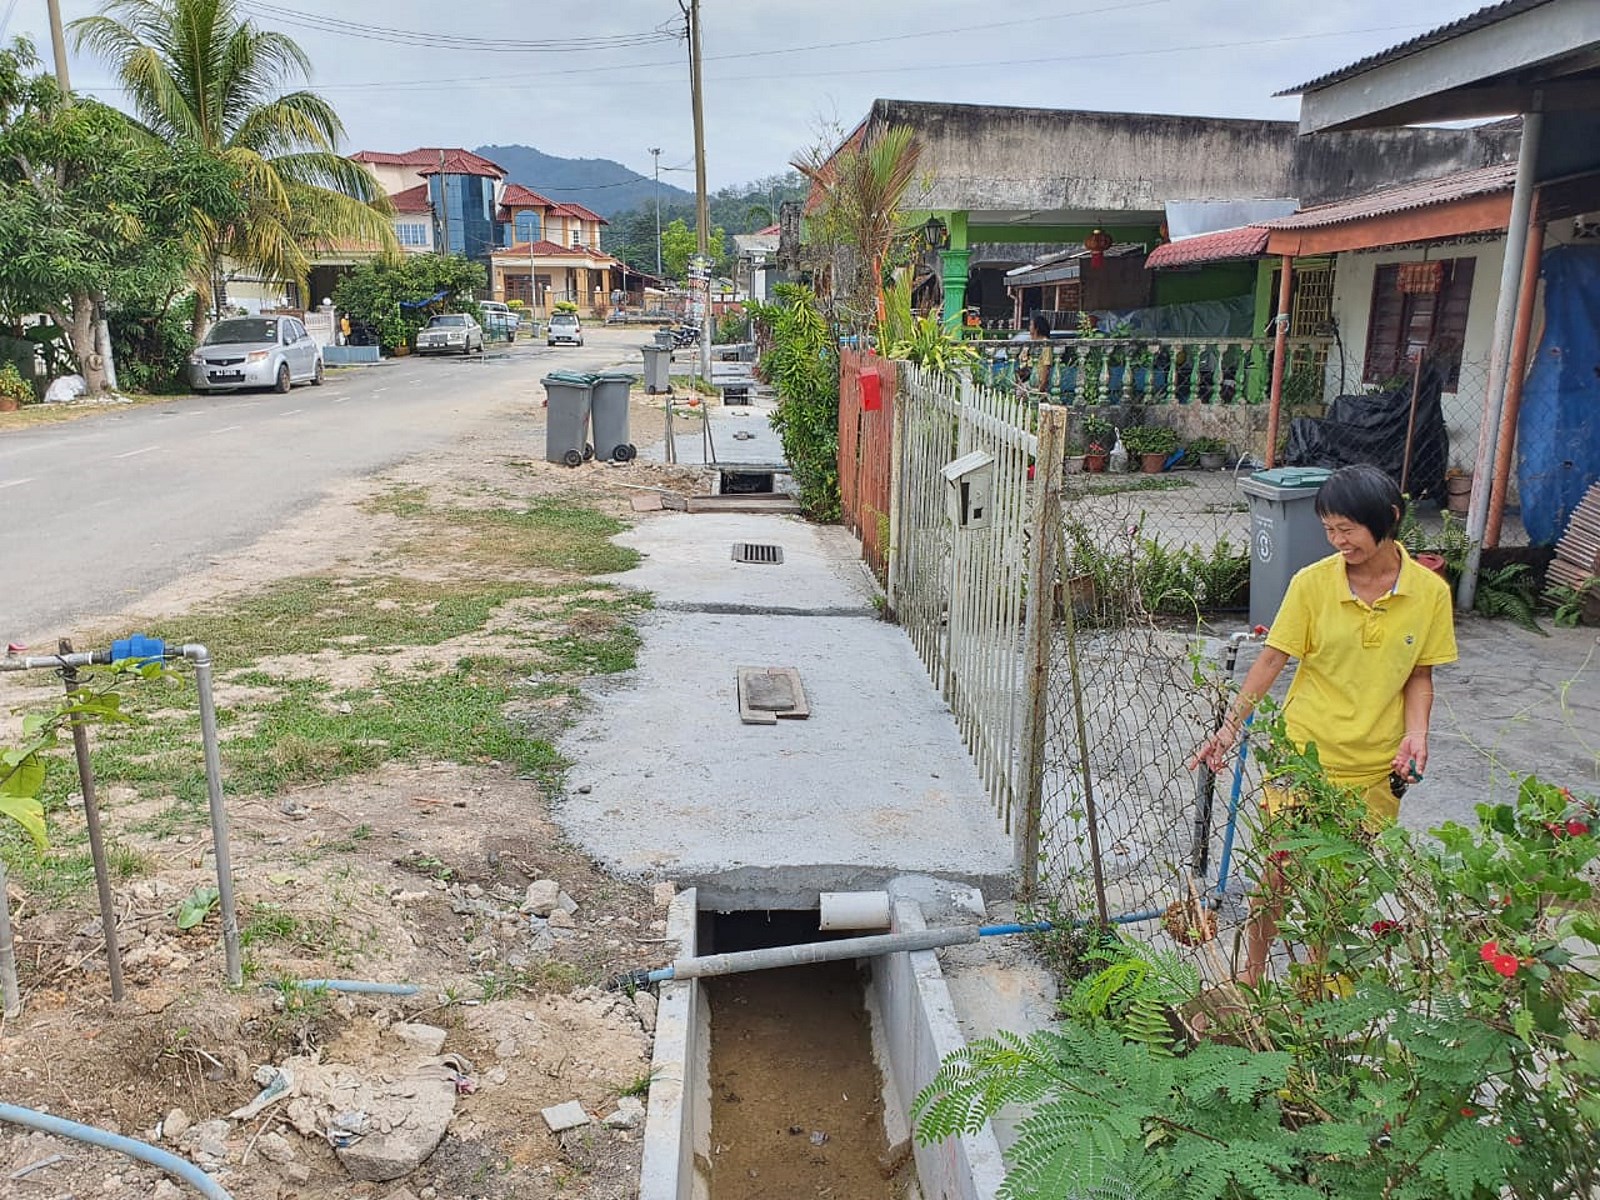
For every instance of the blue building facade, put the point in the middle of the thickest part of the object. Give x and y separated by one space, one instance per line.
464 212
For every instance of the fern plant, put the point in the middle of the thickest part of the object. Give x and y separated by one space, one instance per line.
1509 591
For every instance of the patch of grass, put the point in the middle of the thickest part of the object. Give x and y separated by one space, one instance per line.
400 502
65 870
604 652
551 533
350 842
640 1087
539 979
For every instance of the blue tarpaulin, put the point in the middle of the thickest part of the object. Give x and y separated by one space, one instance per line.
1558 432
424 303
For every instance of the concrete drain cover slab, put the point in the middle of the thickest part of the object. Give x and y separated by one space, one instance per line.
767 693
757 552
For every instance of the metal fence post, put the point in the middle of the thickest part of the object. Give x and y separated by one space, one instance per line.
97 841
891 552
1043 540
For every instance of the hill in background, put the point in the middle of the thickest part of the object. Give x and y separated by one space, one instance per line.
602 184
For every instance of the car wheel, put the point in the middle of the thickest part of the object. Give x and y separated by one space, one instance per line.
316 376
284 381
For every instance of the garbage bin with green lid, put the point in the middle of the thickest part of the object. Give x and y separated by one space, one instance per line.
568 395
657 368
609 410
1285 533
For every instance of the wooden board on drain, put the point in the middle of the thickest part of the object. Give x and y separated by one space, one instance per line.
767 693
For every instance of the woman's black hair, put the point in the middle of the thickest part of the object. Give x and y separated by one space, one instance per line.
1363 494
1039 324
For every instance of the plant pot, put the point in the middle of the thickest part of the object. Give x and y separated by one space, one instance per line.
8 404
1434 563
1074 464
1152 464
1458 492
1213 462
402 350
1095 464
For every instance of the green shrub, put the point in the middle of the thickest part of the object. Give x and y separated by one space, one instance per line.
13 386
1150 439
803 365
152 348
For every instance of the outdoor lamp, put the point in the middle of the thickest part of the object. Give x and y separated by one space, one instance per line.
935 235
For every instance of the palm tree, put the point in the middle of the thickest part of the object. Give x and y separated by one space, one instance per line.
859 190
202 76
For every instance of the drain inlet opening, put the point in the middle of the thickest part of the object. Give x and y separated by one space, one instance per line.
757 552
797 1098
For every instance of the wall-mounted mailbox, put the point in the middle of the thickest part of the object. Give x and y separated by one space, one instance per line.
871 390
971 487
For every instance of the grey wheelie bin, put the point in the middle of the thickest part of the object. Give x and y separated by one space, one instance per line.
1285 533
663 338
609 410
568 395
657 368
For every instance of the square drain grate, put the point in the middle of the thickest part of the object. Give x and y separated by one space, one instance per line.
757 552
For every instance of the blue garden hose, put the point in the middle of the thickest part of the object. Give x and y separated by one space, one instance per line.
178 1168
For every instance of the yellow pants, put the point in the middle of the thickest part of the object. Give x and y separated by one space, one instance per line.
1383 806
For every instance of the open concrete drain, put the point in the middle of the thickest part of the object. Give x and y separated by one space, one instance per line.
793 1082
757 552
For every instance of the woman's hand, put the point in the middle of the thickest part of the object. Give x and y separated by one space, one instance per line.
1411 760
1214 751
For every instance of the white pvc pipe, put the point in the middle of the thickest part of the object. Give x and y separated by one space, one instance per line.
853 910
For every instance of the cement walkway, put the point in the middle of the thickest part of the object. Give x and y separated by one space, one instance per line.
669 783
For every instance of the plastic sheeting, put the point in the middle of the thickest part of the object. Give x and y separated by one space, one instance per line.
1372 429
1232 317
1558 431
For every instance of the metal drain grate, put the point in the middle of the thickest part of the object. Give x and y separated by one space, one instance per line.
757 552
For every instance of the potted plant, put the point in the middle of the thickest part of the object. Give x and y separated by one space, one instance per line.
1152 443
1098 436
15 391
1211 451
1074 459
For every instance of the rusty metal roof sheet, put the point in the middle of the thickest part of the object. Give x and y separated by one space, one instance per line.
1460 186
1489 14
1248 241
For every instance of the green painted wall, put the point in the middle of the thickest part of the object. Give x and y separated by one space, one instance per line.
1067 235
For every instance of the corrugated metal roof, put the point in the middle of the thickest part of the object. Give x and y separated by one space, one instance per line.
1224 245
1460 186
1485 16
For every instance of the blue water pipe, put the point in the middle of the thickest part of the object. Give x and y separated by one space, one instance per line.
359 986
1226 864
178 1168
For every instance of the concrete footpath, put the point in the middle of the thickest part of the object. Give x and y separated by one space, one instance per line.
669 783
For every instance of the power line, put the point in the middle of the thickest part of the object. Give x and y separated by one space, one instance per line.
441 41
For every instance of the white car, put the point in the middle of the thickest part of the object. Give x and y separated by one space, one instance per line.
499 318
564 327
450 333
242 352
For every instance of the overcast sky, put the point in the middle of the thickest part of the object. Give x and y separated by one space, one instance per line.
405 73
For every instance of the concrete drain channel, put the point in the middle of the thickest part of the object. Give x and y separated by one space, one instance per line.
797 1080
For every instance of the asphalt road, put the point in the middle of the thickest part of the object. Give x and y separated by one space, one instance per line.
99 512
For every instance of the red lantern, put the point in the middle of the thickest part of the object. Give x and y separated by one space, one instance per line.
1097 243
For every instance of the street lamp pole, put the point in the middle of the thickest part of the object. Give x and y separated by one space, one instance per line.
655 152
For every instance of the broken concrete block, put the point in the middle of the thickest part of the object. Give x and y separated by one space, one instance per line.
408 1119
661 895
175 1125
543 895
275 1148
566 903
561 1117
560 918
630 1112
644 1004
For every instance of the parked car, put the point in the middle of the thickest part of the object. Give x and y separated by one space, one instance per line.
499 318
564 327
450 332
242 352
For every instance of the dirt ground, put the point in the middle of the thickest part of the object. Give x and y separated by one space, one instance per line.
355 860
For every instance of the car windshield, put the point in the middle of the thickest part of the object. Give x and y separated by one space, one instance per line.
447 322
235 332
563 319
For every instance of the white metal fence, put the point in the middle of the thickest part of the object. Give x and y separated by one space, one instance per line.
960 593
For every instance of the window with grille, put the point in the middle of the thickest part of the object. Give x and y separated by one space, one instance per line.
411 233
1405 322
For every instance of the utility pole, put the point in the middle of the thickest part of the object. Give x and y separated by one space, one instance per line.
655 151
58 42
444 210
702 208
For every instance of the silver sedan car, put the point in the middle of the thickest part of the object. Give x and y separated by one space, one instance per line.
243 352
450 333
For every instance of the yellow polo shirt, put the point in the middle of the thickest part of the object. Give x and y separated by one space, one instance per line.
1354 660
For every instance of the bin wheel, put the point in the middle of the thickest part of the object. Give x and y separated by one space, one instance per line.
624 452
588 453
573 458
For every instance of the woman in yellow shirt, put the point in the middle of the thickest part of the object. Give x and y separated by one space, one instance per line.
1368 625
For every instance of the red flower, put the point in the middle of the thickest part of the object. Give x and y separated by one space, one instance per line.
1380 928
1577 828
1554 829
1469 1111
1278 856
1514 1140
1505 964
1489 951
